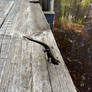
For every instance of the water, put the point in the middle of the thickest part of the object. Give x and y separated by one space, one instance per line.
76 50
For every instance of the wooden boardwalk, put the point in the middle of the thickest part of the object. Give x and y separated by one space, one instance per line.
23 64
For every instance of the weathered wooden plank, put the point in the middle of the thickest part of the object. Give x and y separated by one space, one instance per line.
21 81
18 67
7 25
59 76
9 67
40 77
5 12
21 69
41 82
42 25
19 86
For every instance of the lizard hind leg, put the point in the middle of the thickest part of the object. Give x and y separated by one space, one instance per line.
56 62
45 51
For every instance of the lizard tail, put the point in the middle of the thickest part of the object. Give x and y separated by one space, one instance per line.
33 40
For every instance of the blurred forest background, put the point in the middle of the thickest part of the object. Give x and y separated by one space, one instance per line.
73 34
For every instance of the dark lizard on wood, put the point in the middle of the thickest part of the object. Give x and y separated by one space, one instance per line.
51 58
35 2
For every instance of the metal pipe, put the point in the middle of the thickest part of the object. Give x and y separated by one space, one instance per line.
47 5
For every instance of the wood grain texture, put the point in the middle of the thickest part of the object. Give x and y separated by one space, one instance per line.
5 11
23 64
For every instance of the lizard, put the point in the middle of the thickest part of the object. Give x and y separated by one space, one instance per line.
35 2
51 58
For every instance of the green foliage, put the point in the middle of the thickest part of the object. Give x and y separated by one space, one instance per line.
78 9
65 5
80 21
85 3
64 19
90 1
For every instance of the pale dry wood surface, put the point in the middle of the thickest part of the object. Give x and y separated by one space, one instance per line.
23 64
